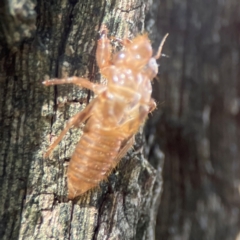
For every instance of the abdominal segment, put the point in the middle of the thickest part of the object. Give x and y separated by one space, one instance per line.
92 161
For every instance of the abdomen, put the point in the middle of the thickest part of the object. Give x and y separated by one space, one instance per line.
92 161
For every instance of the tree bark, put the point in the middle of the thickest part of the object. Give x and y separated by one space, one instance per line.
47 39
199 120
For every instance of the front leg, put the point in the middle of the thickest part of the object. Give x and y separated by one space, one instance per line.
104 49
81 82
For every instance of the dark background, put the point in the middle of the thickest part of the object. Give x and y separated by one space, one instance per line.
198 118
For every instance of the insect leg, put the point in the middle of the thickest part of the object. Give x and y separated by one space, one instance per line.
81 82
104 49
123 151
76 119
159 52
131 125
152 105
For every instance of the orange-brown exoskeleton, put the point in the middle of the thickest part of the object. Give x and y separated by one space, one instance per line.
115 115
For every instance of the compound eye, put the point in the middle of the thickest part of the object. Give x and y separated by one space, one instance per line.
152 64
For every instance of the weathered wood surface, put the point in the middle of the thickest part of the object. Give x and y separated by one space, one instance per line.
46 39
199 121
